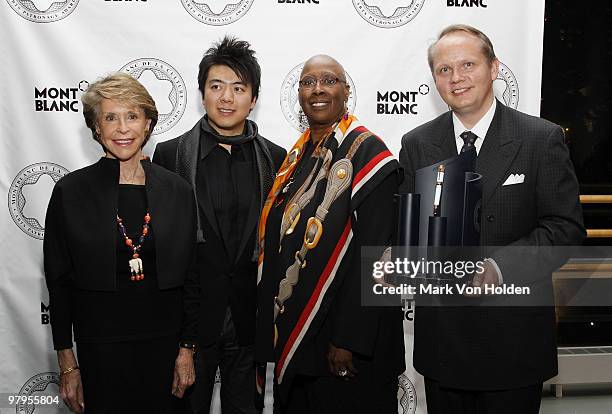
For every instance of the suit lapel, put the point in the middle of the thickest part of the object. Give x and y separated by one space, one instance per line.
441 144
161 215
496 154
188 156
203 194
264 172
249 226
103 193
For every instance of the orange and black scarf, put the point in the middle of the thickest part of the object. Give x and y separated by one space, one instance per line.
284 174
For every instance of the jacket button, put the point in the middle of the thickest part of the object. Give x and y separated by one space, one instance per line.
490 218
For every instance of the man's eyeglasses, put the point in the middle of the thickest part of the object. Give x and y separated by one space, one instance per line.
326 82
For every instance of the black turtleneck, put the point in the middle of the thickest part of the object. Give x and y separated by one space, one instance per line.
229 178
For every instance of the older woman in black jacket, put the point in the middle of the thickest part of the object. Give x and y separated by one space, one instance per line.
119 236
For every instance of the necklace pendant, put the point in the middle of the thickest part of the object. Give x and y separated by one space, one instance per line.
136 269
288 185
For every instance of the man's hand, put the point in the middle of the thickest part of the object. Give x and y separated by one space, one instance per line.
488 277
340 362
184 372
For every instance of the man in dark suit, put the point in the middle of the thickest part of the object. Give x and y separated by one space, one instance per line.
231 169
484 359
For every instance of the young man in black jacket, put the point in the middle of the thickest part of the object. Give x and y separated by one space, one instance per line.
231 169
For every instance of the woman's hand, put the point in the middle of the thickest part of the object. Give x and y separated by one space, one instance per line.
184 372
340 362
71 388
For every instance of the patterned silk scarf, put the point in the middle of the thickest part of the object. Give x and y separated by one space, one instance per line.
284 174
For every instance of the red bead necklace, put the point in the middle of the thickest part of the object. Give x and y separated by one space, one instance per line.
136 268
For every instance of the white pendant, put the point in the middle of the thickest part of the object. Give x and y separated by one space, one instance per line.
136 268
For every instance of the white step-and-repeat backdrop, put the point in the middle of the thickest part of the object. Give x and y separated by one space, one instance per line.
51 50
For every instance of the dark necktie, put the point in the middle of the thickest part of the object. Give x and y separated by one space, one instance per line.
468 138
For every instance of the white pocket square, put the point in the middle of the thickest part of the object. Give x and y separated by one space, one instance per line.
514 179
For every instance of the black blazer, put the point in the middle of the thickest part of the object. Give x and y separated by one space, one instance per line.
222 281
488 348
81 229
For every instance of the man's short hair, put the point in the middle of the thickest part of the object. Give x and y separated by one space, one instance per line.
238 56
487 46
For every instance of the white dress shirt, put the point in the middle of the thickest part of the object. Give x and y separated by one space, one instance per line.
480 129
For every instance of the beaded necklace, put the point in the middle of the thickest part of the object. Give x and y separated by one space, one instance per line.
136 268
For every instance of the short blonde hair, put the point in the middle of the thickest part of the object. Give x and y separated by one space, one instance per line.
487 46
121 87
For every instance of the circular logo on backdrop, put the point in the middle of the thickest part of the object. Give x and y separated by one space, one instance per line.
38 386
24 193
388 14
510 93
290 104
43 11
177 94
406 396
217 13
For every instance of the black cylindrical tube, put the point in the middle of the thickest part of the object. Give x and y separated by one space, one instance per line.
408 207
436 232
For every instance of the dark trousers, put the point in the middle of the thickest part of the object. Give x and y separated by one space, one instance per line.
333 395
441 400
236 364
129 377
